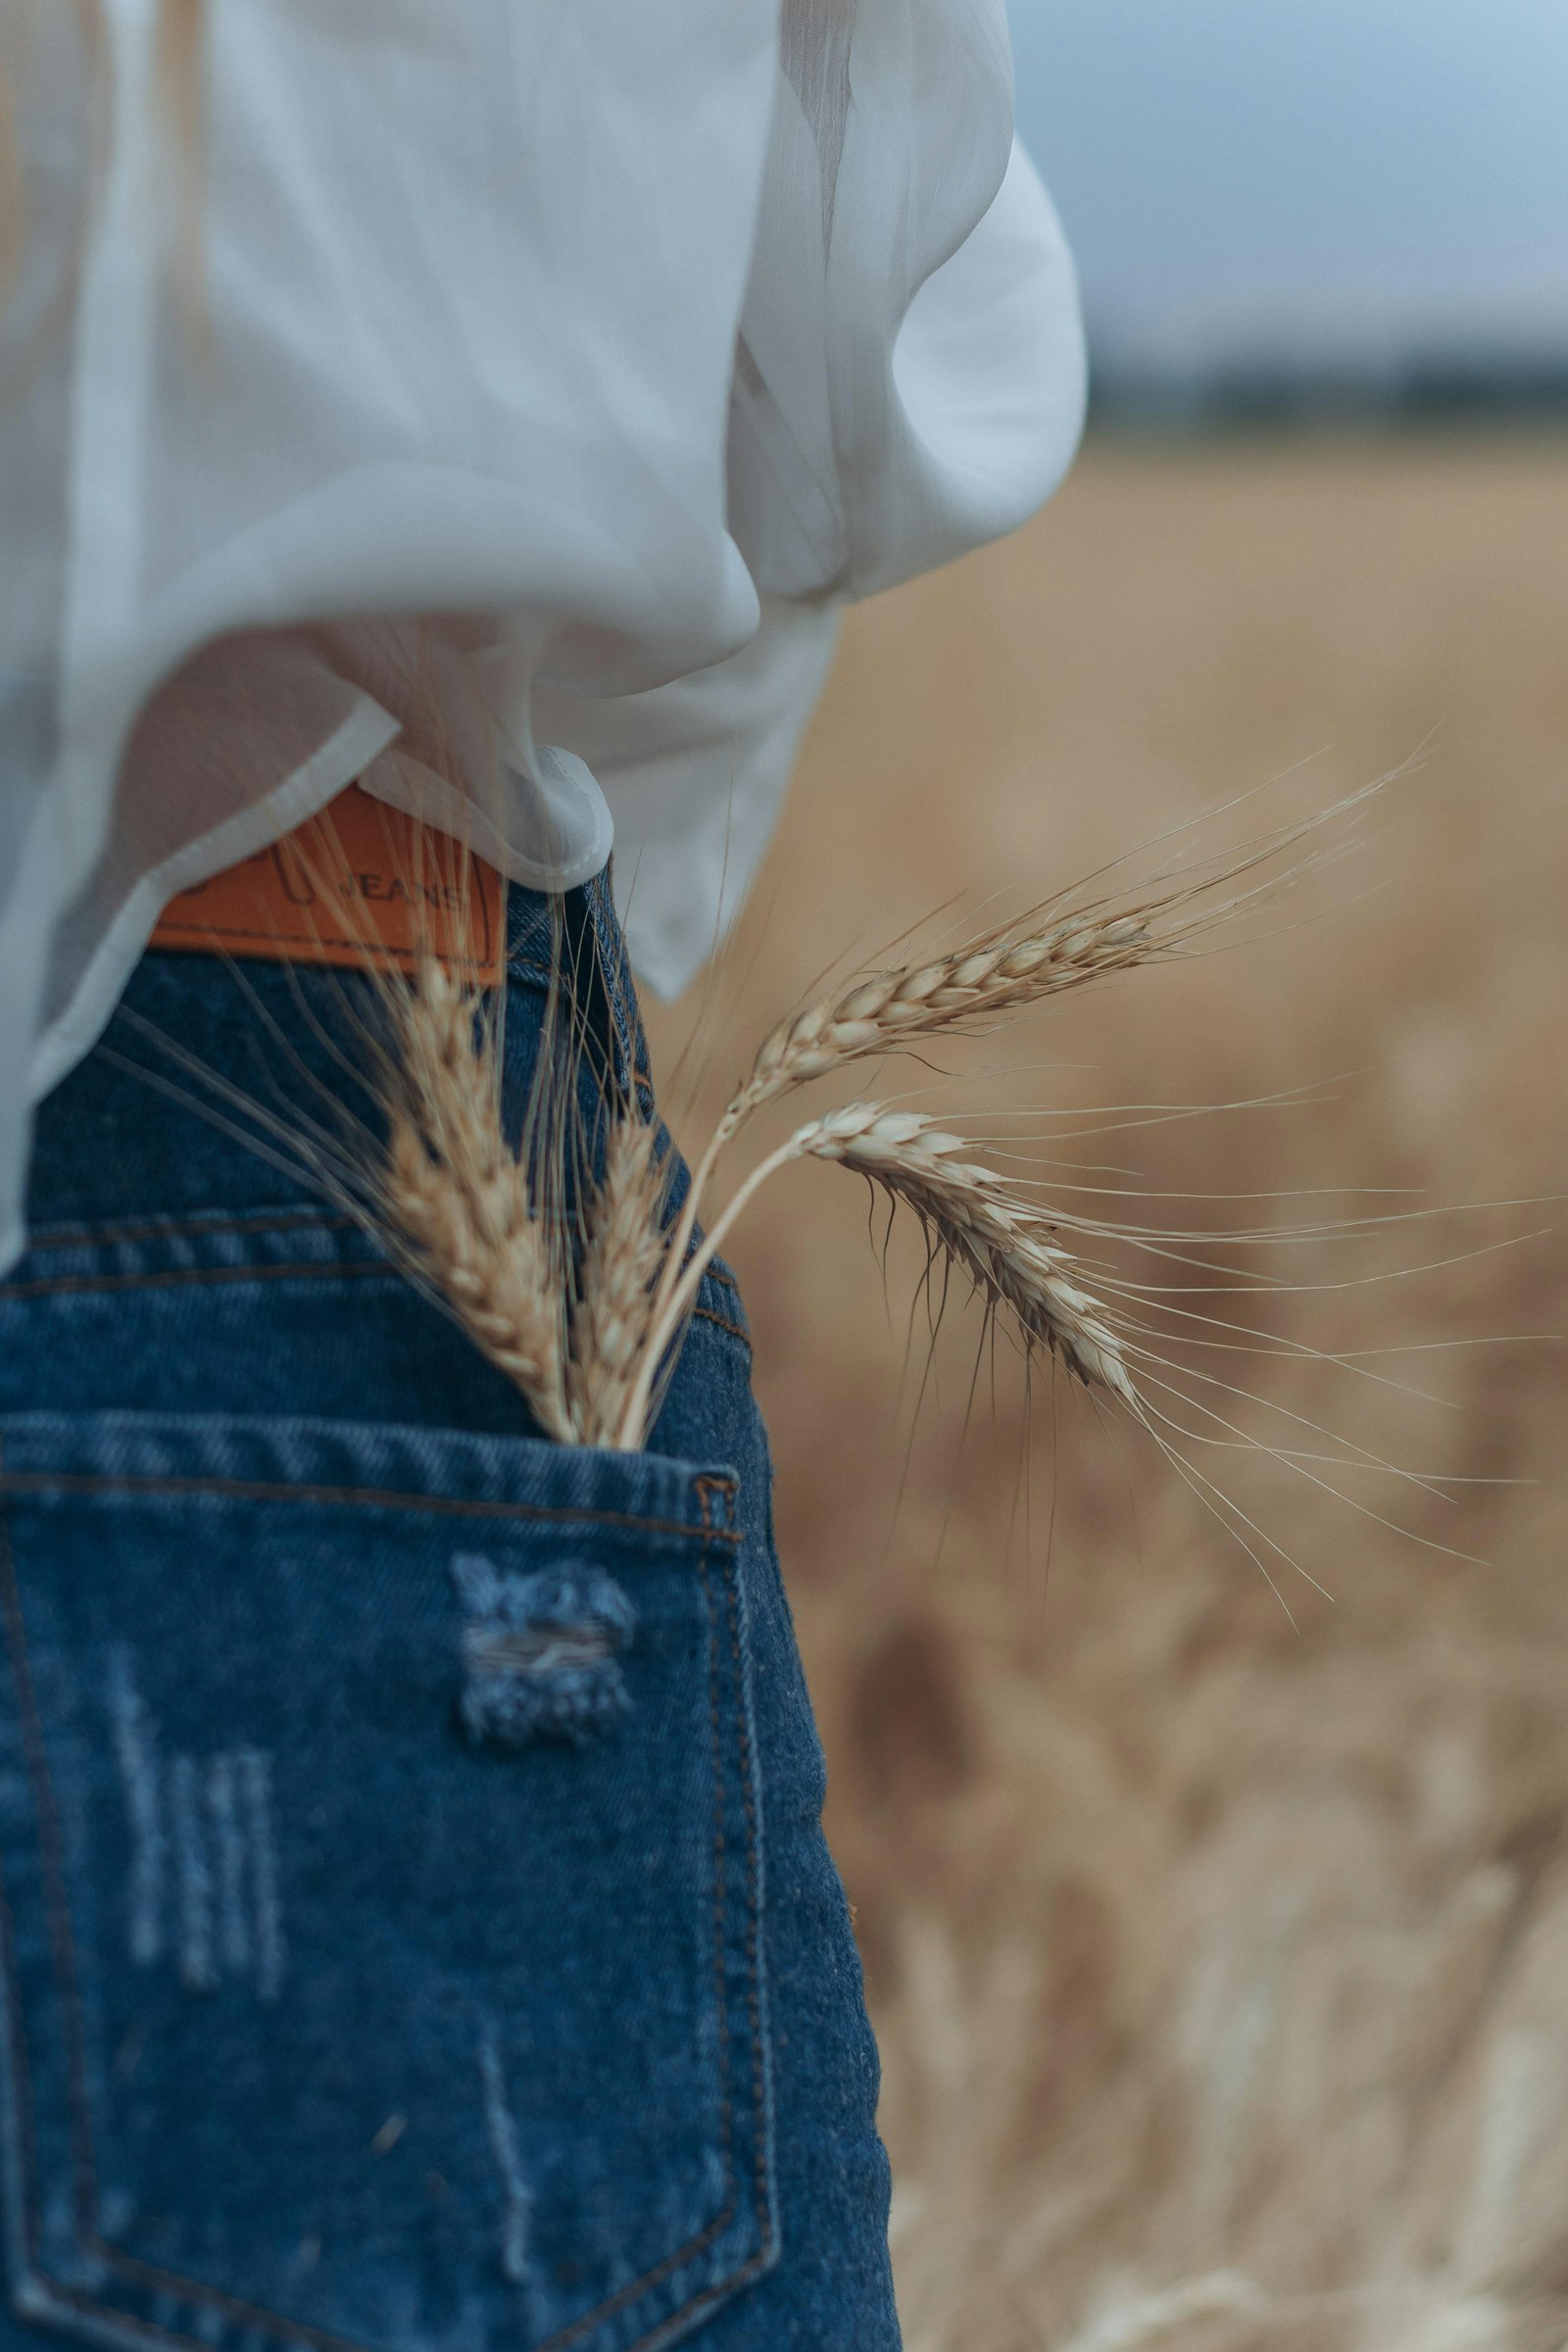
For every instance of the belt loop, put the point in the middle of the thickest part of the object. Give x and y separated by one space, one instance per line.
625 1021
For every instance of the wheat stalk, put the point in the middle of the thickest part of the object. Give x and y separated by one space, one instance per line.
588 1352
999 973
1065 944
621 1259
1001 1242
459 1198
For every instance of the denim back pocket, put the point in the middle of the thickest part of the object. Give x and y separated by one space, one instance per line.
380 1846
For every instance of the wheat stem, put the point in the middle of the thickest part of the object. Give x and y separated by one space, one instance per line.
676 1295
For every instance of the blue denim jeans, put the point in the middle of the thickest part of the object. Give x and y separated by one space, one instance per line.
416 1926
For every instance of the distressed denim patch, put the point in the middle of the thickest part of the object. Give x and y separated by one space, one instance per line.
540 1651
203 1869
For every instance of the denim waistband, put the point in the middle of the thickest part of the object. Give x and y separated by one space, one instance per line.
211 1072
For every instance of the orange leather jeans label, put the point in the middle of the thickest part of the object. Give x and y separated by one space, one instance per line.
361 883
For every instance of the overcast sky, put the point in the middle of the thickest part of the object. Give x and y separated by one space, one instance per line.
1260 170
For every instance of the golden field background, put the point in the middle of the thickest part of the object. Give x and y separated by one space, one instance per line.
1220 1965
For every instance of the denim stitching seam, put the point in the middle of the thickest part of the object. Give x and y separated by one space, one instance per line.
171 1277
175 1278
765 2218
158 1229
759 2262
726 2214
445 1506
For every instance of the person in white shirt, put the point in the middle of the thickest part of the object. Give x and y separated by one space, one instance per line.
562 367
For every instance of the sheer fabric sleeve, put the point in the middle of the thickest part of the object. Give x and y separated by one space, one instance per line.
566 362
909 381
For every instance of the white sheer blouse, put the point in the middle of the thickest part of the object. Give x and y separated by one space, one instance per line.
546 371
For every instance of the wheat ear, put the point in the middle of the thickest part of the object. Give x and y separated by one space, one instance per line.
460 1199
1001 1243
1001 972
1004 1245
622 1254
1066 943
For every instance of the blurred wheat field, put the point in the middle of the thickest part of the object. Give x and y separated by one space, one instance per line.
1219 1964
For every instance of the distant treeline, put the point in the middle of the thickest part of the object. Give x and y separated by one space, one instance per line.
1440 388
